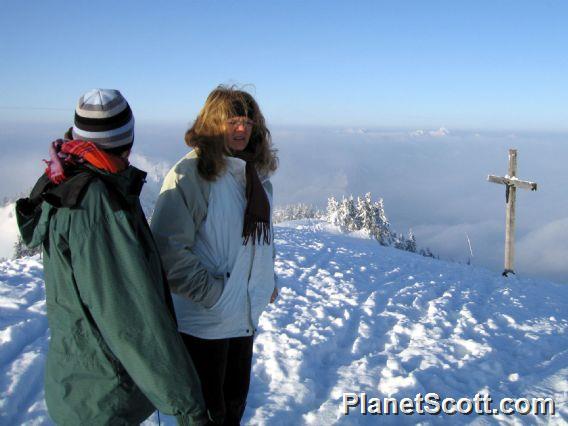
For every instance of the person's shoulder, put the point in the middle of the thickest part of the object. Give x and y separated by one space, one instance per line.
184 185
184 172
186 164
95 201
100 207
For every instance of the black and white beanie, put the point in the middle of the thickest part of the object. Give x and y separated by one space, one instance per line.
104 117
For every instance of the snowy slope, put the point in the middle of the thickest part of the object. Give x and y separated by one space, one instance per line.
23 342
352 317
8 230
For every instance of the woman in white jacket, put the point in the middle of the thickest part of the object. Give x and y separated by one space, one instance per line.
213 227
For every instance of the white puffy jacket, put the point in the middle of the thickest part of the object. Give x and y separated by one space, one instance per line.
220 286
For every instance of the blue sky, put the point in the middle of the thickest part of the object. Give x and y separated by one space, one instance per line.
460 64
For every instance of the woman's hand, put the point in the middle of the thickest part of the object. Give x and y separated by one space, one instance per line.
274 295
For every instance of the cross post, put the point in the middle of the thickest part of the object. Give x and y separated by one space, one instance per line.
511 183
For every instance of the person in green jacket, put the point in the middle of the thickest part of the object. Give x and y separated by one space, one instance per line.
115 354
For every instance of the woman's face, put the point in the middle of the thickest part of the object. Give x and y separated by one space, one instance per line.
237 132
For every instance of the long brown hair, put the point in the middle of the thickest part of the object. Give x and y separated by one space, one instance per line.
207 134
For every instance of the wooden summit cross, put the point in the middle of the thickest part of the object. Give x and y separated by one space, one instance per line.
511 183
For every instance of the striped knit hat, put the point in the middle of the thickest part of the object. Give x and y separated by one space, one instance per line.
104 117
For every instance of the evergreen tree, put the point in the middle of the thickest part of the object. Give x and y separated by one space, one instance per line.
352 222
350 215
332 210
427 253
342 215
411 242
399 242
381 226
365 213
295 212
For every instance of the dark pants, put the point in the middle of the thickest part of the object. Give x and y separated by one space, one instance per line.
224 367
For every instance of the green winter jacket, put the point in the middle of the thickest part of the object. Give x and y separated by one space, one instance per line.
114 352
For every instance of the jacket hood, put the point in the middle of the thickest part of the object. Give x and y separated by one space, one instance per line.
128 182
34 213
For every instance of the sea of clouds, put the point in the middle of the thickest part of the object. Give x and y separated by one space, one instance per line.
432 180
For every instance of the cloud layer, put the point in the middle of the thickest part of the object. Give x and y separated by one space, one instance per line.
432 180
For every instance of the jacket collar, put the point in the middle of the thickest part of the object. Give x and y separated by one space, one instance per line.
34 225
237 168
128 183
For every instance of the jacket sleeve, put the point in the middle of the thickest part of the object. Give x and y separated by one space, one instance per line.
28 218
29 214
128 306
270 191
179 212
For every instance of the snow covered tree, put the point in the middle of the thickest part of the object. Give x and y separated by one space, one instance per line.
331 211
365 213
381 227
295 212
399 242
342 213
346 217
427 253
352 220
305 211
410 242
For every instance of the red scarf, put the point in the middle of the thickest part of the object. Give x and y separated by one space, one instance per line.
65 153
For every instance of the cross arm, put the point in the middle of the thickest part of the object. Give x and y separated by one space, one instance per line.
513 182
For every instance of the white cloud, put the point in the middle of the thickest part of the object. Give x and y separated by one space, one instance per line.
545 250
441 132
355 131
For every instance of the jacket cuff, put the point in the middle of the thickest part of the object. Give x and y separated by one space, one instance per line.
187 420
26 207
215 289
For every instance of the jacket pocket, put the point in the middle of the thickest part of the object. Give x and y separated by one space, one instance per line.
225 279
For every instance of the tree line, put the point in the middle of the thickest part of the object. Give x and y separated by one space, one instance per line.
352 214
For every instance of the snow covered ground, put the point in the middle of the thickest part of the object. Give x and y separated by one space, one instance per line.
8 230
23 342
352 317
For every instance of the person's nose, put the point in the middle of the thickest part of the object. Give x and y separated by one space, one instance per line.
240 127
